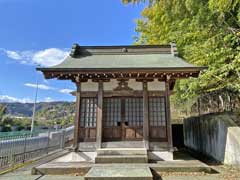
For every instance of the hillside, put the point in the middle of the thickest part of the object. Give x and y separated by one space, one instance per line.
44 110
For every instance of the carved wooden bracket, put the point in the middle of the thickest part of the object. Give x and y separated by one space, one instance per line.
123 86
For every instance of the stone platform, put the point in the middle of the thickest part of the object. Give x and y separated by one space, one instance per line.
82 164
61 168
119 173
121 155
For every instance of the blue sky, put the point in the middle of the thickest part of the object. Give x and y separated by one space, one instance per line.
42 32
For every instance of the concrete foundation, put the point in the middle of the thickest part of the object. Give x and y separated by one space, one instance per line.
78 157
214 135
60 168
160 156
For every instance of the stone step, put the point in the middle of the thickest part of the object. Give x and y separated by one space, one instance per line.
122 151
119 173
121 159
123 144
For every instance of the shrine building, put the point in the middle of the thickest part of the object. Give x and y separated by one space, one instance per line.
122 94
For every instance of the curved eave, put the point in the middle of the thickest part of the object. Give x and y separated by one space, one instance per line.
115 73
117 70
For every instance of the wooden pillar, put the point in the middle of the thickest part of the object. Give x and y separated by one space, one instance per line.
168 113
145 115
77 117
99 114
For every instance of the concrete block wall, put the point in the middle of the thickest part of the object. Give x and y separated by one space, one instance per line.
215 135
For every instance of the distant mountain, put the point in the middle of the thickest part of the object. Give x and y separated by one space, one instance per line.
44 110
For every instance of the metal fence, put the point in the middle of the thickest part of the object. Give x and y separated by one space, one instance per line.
18 149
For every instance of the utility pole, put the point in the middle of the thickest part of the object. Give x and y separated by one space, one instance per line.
34 106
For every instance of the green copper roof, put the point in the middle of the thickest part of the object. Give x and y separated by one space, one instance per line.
122 57
123 61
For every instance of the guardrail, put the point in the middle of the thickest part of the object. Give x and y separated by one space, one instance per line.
18 149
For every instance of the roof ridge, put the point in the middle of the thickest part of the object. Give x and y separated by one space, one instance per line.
78 50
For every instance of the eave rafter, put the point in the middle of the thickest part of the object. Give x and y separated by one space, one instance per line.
84 76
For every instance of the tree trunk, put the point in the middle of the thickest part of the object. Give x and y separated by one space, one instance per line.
221 102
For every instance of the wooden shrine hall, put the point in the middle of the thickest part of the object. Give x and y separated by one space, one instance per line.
123 93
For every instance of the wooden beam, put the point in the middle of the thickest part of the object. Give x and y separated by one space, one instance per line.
77 117
99 114
177 72
145 80
168 113
100 80
136 93
145 115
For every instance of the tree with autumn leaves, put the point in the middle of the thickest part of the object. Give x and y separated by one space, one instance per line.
207 33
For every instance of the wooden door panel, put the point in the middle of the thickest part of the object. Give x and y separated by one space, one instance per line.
87 134
112 133
157 119
82 133
122 118
107 132
130 133
117 133
92 133
88 119
139 133
111 119
133 124
158 132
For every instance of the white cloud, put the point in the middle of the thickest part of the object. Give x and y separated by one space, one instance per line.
46 87
49 57
6 98
45 81
13 55
46 57
10 99
40 86
48 99
66 91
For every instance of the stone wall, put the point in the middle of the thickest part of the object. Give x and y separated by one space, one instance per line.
215 135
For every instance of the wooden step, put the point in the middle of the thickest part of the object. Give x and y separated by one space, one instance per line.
103 159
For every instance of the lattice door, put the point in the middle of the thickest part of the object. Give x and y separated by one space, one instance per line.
112 119
88 118
122 118
157 118
133 121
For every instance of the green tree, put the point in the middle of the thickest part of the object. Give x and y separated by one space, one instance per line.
3 111
207 33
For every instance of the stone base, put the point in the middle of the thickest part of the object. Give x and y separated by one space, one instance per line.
119 173
81 168
77 157
160 156
62 168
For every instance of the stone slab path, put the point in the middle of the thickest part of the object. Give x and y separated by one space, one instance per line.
119 173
